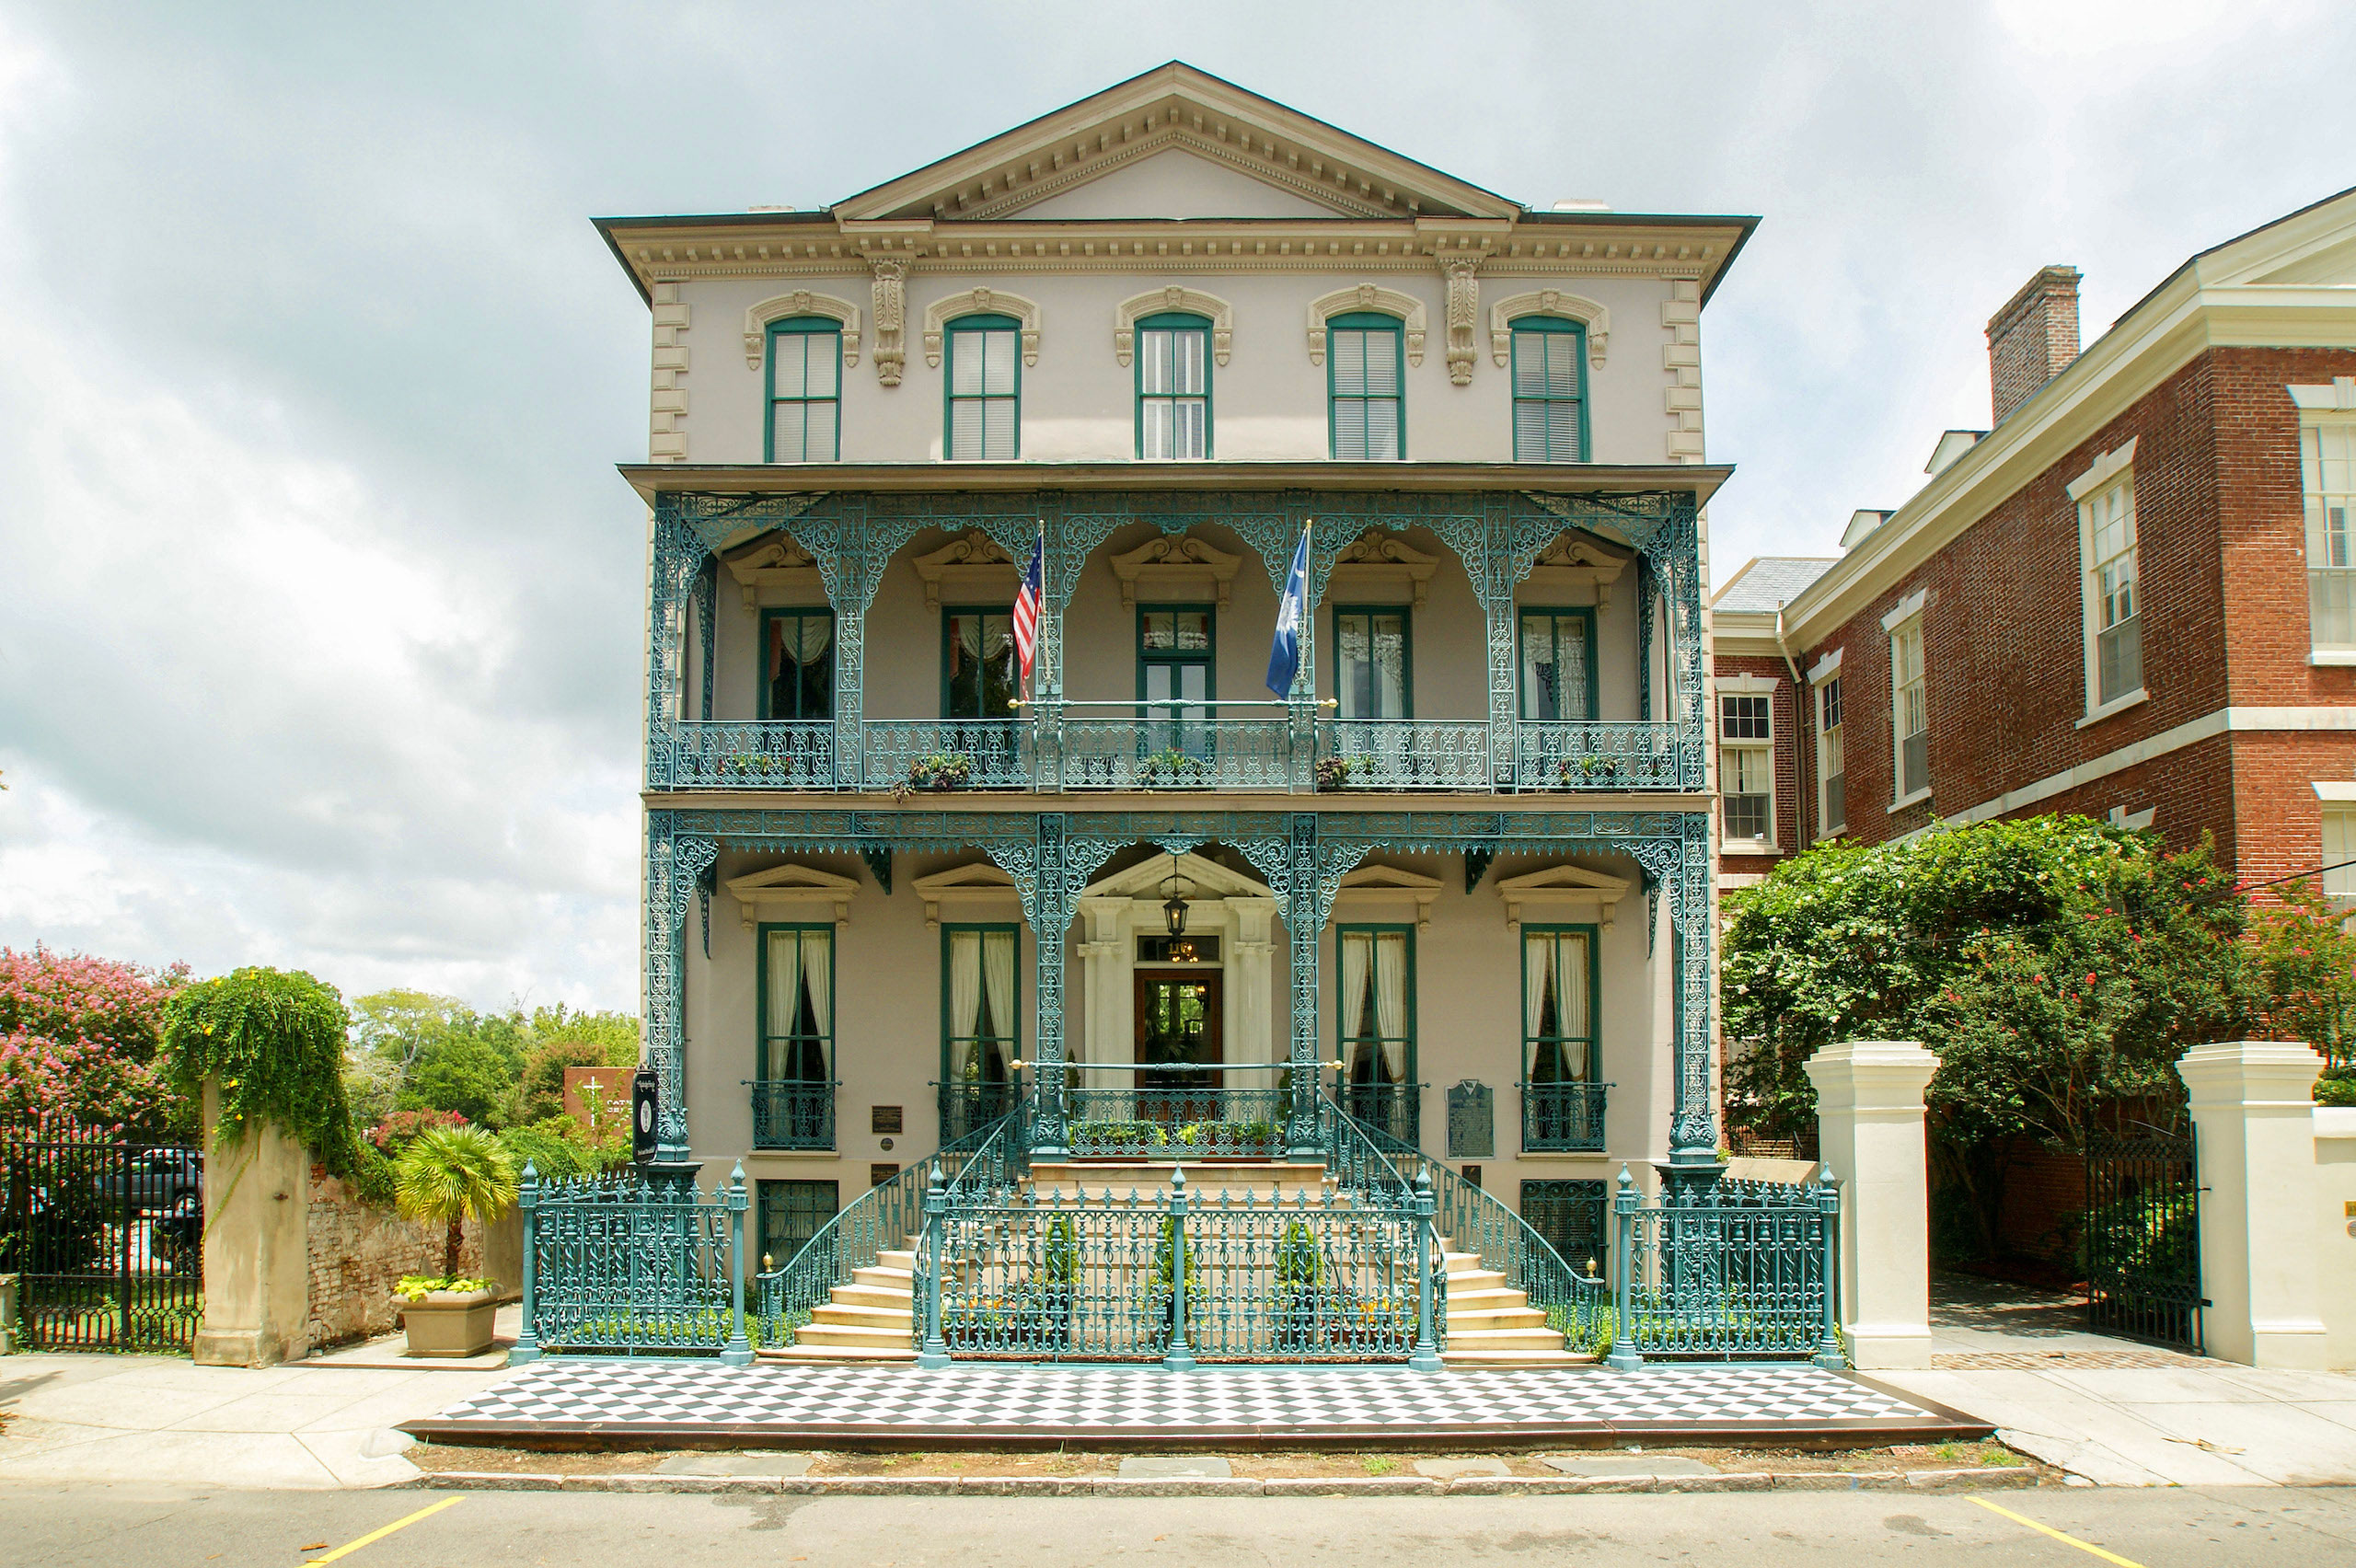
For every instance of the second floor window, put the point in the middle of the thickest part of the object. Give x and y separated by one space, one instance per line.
797 664
2327 475
1557 1010
1747 766
1832 765
2338 850
1176 665
978 1024
1558 665
1549 390
2114 602
984 389
1174 388
1370 663
977 674
1369 400
795 1107
805 390
1910 709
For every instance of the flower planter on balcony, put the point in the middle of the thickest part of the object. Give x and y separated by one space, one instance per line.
940 773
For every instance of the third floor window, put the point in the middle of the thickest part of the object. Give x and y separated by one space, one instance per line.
984 389
1558 665
1549 390
1174 388
805 390
1363 385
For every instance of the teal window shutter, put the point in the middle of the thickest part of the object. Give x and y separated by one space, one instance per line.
1549 390
1173 361
984 389
1365 386
805 390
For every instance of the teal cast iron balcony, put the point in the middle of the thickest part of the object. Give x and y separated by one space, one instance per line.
792 1114
1563 1118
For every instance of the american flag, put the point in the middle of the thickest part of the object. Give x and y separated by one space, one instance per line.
1026 609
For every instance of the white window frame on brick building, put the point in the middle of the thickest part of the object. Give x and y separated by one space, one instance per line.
1910 698
2328 484
1831 757
2111 588
1747 761
2338 839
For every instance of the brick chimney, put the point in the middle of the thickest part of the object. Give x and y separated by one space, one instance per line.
2033 336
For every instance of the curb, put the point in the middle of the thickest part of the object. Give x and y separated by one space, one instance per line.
2006 1478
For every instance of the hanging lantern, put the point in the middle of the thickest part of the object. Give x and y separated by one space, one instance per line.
1173 909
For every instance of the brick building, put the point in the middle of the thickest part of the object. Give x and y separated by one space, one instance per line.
2133 597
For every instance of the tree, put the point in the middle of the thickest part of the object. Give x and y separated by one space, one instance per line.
449 1175
2054 963
465 1074
79 1038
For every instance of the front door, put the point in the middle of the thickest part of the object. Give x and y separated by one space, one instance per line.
1178 1016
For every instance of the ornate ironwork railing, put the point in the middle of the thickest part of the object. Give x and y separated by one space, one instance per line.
635 1264
1395 1109
1408 753
970 754
884 1217
969 1107
1126 753
1161 1121
1558 1117
751 755
792 1114
1588 754
1726 1268
1470 1221
1237 1277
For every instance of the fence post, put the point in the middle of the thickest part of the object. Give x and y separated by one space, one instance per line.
740 1345
934 1355
2253 1120
1178 1357
1829 1352
527 1199
1869 1122
1427 1355
1625 1357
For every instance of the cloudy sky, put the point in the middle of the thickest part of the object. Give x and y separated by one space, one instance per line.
319 629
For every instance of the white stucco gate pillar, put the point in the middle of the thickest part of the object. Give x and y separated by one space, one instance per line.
1869 1133
2253 1122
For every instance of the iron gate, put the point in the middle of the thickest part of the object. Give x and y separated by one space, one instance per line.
107 1236
2143 1234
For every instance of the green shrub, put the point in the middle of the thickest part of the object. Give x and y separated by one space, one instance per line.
275 1039
2337 1088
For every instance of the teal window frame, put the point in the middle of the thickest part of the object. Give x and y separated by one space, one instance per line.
1173 321
761 1001
951 397
950 613
770 1200
1161 728
1012 1037
1406 657
812 327
764 692
1364 321
1341 1045
1528 331
1531 1036
1557 614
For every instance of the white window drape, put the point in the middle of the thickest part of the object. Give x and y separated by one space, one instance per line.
965 1003
799 638
784 1000
997 982
1354 968
817 984
1391 1000
1537 984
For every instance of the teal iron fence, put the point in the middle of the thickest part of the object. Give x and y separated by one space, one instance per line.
1726 1269
631 1264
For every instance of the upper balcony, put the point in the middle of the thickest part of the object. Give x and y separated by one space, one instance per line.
1465 640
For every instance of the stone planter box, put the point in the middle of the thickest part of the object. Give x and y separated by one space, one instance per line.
450 1323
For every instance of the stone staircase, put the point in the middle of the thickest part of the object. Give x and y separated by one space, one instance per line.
1490 1324
871 1319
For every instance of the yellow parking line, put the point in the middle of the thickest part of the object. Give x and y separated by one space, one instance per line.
2023 1519
373 1535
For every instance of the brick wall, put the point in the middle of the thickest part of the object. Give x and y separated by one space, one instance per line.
358 1253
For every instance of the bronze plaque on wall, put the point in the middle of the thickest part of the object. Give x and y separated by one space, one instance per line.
884 1119
1472 1121
879 1174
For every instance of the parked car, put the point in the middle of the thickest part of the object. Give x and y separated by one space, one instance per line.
161 1180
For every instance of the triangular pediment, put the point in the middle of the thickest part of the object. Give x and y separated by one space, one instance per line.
793 892
980 884
2313 246
1144 880
1373 880
1562 890
1174 135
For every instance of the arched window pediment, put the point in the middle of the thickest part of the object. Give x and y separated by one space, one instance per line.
801 302
1589 315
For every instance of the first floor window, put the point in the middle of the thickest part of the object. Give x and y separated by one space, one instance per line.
1558 665
977 670
805 390
1746 766
978 1025
1557 1014
1370 663
794 1103
1368 401
985 378
1909 711
1832 766
1571 1217
797 664
791 1214
2338 848
1174 388
2327 477
2114 607
1377 1006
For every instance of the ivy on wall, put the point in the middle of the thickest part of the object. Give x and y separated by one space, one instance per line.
274 1041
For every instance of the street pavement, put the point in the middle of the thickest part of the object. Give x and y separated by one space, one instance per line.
149 1525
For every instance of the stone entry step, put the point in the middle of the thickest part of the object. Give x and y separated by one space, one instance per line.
1151 1179
871 1319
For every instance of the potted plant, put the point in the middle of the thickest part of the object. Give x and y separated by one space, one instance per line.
940 771
1333 772
1171 765
1574 771
445 1176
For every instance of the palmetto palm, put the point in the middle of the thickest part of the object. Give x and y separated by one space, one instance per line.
449 1173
